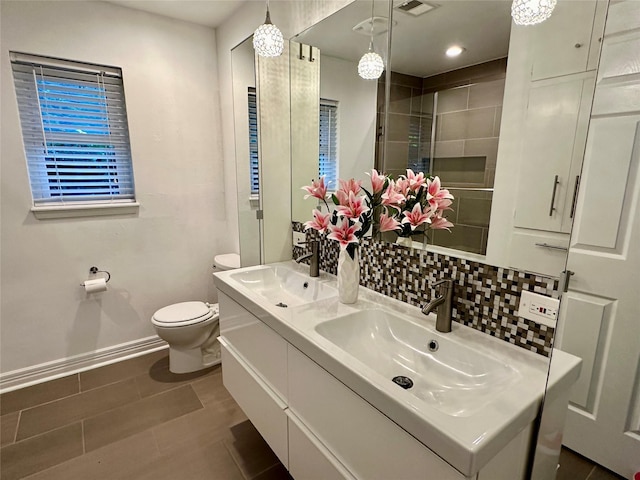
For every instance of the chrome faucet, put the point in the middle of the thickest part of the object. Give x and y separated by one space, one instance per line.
314 271
443 303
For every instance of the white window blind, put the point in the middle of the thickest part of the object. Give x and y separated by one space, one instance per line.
328 161
254 163
75 132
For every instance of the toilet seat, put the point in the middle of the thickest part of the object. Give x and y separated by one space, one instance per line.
184 314
227 261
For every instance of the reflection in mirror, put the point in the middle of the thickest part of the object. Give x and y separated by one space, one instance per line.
345 104
246 142
444 111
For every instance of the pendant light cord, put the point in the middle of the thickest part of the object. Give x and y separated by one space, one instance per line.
371 40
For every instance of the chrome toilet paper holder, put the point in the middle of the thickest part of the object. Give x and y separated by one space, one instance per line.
95 270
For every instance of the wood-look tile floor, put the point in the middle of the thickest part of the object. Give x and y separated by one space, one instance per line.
131 420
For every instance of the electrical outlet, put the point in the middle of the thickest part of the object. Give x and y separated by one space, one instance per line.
298 237
539 308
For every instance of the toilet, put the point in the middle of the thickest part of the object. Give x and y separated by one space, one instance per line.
191 328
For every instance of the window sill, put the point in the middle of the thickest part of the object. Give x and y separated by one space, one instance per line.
74 211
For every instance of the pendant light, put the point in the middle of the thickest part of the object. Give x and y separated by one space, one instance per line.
531 12
267 39
371 66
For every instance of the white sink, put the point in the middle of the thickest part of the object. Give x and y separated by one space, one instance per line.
449 376
283 286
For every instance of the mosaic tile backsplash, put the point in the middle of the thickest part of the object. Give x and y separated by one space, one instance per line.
485 297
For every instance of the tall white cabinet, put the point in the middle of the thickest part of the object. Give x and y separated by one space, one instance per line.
550 84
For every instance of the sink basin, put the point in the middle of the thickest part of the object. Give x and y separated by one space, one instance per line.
282 286
448 375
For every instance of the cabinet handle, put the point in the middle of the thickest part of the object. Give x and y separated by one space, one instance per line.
553 196
553 247
575 196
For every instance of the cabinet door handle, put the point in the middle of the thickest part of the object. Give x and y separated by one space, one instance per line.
553 247
575 196
553 196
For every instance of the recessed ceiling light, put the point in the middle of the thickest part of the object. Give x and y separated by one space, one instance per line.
454 51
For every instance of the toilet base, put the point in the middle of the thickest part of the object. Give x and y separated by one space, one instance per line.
187 360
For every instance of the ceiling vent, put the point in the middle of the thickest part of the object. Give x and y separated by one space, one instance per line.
380 25
414 7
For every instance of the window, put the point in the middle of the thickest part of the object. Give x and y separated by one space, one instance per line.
328 158
254 164
75 133
328 161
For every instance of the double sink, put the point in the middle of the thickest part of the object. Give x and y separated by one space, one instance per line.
465 394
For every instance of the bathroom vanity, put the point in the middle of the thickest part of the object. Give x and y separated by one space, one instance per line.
372 390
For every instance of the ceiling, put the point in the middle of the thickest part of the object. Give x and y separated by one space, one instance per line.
482 27
210 13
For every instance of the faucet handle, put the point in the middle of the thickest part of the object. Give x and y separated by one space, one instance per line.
445 281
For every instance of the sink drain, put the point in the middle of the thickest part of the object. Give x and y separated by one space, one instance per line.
404 382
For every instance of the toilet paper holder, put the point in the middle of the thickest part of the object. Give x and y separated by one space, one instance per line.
95 270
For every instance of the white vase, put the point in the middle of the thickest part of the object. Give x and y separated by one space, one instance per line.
348 276
404 241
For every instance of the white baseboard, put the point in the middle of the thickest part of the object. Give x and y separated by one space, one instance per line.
44 372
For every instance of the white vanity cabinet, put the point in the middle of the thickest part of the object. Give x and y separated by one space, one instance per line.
318 427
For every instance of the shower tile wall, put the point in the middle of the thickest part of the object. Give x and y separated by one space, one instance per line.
486 298
409 125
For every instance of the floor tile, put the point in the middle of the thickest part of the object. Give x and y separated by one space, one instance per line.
41 452
209 461
573 466
135 417
211 389
38 394
601 473
8 427
120 460
115 372
77 407
161 379
249 450
274 473
207 425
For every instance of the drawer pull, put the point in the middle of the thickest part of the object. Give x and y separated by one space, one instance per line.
553 196
553 247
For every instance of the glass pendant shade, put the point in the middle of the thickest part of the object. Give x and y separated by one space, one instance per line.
531 12
370 66
267 39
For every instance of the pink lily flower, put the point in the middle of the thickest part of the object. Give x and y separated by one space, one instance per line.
351 185
320 222
436 196
417 216
440 223
403 186
377 181
391 197
344 233
415 181
388 224
353 208
317 189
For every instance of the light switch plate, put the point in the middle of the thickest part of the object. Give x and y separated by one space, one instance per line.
298 237
539 308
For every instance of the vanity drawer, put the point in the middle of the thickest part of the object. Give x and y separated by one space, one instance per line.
539 252
309 459
262 348
265 409
351 428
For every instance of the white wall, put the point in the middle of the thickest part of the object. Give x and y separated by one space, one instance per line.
339 80
163 254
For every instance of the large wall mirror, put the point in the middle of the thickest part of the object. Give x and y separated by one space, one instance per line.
463 118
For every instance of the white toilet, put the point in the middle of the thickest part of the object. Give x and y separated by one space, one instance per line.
191 328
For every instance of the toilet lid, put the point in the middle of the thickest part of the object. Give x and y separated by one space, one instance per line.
181 314
227 261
